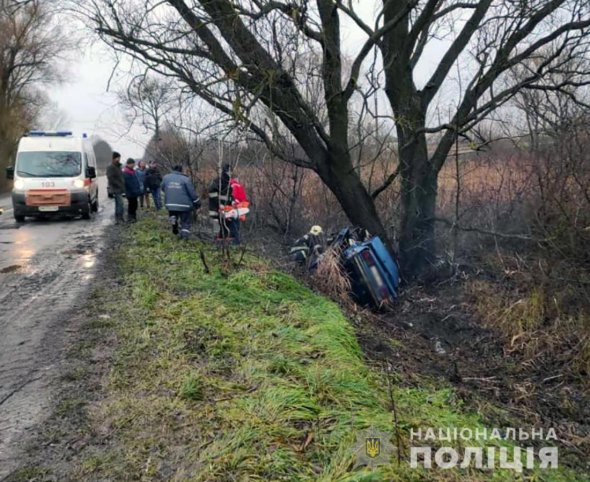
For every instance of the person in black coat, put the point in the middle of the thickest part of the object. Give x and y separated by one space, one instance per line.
153 182
116 186
220 196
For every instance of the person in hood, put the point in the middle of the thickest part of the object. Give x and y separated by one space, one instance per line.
180 199
132 189
116 184
221 199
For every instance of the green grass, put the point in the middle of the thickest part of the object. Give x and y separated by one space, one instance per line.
245 375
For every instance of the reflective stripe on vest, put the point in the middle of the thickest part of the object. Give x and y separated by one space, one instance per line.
178 205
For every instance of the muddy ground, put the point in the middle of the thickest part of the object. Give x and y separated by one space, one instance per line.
46 271
437 333
81 350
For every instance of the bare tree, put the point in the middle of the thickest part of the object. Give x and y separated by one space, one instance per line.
29 46
149 101
493 38
238 55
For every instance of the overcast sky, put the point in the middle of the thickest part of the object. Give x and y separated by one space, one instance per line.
90 105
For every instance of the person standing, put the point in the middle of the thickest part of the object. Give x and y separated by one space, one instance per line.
239 202
116 184
180 199
141 172
132 190
220 199
153 182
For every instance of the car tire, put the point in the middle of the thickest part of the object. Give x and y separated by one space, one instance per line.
94 205
86 214
19 218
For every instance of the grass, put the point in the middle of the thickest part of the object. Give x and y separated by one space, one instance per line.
538 318
245 374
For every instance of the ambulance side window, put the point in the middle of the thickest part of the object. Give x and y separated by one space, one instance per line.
91 158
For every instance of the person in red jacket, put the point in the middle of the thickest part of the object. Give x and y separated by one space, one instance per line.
237 190
239 200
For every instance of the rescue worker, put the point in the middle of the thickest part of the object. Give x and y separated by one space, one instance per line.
220 199
307 249
180 198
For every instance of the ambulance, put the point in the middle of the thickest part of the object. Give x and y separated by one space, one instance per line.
54 173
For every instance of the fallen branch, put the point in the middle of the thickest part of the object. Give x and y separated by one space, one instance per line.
454 225
204 261
394 412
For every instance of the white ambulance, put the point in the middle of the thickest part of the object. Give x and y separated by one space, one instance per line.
54 173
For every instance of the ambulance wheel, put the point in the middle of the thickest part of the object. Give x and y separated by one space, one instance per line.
19 218
87 211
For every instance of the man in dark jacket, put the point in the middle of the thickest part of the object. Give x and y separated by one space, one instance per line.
180 200
116 185
220 197
153 181
132 189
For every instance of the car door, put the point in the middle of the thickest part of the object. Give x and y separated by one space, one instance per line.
91 163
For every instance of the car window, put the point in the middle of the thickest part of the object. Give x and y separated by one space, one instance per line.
48 164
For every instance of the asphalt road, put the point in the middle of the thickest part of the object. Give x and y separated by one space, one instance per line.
46 270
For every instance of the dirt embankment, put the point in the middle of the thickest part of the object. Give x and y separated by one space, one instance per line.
439 332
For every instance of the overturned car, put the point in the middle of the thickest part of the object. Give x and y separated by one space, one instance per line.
372 270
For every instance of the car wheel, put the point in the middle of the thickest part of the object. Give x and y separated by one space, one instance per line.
87 211
95 205
19 218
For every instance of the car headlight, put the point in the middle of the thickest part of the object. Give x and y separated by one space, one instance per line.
19 184
79 183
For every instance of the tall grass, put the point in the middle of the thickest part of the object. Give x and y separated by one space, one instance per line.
245 375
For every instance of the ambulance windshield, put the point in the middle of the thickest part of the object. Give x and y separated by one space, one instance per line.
48 164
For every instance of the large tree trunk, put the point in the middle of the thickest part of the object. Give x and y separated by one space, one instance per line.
419 190
359 207
418 181
418 174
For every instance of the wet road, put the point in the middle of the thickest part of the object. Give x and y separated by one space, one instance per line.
46 269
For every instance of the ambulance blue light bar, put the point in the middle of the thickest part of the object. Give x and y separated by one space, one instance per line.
49 134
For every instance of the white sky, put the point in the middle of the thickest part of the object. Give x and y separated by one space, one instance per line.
89 108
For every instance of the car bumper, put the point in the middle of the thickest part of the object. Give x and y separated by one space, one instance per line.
78 205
